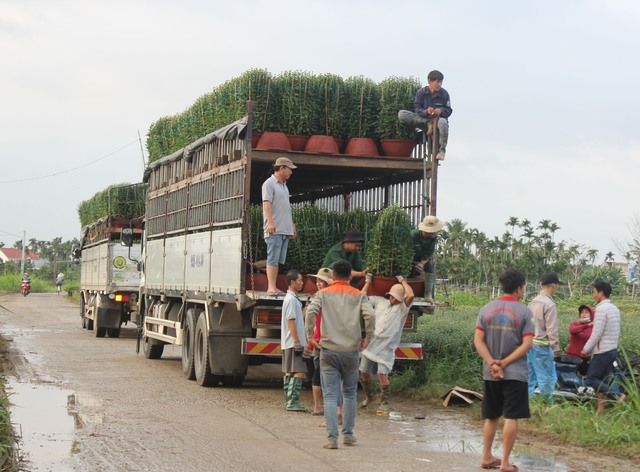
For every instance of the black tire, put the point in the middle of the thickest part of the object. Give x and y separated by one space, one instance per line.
152 348
100 332
188 344
113 332
84 320
89 324
204 377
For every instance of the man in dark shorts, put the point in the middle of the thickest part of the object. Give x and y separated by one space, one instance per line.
504 334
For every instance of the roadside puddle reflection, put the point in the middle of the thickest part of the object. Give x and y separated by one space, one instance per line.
441 434
41 422
40 417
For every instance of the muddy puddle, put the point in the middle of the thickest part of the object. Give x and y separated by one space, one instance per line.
458 437
45 419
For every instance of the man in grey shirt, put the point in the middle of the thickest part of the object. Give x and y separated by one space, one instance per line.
277 221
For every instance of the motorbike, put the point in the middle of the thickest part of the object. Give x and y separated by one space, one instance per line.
571 377
26 288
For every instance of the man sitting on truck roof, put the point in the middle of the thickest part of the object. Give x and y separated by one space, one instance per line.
432 102
348 250
278 220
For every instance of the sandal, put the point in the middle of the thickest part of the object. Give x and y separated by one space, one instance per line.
512 468
494 464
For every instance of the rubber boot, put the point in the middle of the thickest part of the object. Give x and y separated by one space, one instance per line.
442 146
285 387
295 387
385 393
429 286
369 387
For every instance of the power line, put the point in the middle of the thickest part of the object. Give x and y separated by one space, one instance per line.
69 170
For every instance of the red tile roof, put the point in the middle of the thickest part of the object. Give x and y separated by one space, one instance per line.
11 253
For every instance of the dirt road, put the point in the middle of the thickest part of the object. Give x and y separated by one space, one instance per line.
128 413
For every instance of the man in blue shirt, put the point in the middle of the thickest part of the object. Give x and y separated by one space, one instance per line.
431 102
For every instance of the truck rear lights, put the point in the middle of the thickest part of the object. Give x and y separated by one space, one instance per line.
269 317
408 323
122 297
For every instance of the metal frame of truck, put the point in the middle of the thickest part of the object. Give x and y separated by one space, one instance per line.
199 289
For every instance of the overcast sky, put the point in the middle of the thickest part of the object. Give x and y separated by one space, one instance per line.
545 96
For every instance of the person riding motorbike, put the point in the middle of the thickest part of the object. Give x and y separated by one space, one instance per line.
26 284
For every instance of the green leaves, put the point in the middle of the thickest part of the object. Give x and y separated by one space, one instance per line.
390 251
122 200
294 102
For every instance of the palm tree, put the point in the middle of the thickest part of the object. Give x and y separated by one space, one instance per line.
592 254
553 227
513 222
608 258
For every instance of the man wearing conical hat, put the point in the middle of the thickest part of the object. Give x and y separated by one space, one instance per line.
425 241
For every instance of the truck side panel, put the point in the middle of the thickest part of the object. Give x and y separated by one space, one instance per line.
226 260
198 261
154 264
174 263
123 270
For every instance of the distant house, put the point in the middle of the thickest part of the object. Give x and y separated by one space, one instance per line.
10 254
624 268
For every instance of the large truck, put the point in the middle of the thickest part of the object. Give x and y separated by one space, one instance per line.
202 290
110 255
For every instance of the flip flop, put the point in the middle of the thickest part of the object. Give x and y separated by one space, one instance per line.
494 464
320 413
277 293
512 468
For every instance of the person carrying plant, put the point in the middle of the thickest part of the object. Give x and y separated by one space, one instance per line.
546 342
431 102
425 242
348 250
504 333
277 220
390 314
292 340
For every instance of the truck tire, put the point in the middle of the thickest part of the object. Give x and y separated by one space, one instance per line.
204 377
113 332
152 348
89 324
188 343
100 332
84 320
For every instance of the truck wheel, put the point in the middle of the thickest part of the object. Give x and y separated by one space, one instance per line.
188 343
113 332
84 320
152 348
100 332
204 377
89 324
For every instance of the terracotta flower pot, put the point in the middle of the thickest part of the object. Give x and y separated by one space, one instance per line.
309 285
361 147
417 285
274 141
259 282
297 142
381 285
321 144
255 137
398 147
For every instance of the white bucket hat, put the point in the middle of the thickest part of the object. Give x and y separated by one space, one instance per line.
431 224
397 292
323 274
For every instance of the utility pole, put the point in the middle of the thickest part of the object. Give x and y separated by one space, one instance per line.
24 242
